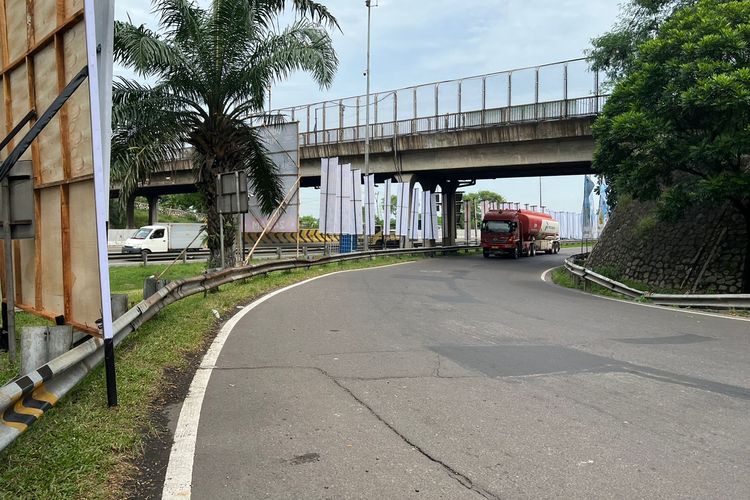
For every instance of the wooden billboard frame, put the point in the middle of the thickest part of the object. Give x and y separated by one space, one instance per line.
57 273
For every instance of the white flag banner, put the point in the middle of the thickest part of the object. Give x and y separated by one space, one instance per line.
416 199
387 209
402 208
370 205
357 200
344 204
329 189
429 215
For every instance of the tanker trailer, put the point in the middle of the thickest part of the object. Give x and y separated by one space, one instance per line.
519 232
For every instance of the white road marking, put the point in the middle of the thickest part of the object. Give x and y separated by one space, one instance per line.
179 477
653 306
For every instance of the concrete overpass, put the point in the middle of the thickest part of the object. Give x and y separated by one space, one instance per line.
444 133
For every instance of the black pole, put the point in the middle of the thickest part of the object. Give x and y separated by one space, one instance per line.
109 367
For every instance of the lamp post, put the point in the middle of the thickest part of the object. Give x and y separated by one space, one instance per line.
367 118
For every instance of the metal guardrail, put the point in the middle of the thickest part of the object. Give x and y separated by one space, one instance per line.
26 399
723 301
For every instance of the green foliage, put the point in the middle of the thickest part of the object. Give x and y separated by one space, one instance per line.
187 202
476 199
615 52
645 226
676 128
308 222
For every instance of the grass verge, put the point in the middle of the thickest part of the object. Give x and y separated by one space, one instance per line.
83 449
561 276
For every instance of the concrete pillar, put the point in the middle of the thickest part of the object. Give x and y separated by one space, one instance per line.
449 189
33 348
59 341
153 209
428 185
119 305
130 212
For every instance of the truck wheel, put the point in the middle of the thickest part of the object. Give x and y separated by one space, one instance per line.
532 249
486 254
555 247
516 253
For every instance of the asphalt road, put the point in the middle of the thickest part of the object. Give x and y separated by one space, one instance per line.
460 377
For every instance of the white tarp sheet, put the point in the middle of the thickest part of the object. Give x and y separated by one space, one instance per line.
329 188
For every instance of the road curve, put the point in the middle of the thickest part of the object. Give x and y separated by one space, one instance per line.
464 377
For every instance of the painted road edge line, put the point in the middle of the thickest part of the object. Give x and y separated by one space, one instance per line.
652 306
179 477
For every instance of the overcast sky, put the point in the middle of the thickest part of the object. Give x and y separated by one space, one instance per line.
420 41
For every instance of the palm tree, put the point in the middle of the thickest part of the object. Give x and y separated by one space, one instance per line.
208 72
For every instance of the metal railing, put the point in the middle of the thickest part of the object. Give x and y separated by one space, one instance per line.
722 301
549 91
43 387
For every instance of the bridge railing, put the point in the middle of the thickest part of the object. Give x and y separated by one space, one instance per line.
572 108
551 91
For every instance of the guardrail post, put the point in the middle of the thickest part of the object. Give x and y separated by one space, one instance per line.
144 257
278 252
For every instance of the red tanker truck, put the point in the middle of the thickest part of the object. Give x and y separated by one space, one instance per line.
519 232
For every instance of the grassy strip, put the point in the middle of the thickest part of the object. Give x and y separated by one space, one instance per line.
82 448
563 277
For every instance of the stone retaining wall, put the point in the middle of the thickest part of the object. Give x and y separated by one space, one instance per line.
701 252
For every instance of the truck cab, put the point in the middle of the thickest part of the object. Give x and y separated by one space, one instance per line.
149 239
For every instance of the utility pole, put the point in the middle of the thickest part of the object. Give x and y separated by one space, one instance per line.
367 119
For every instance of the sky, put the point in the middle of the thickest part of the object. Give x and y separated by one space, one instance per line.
421 41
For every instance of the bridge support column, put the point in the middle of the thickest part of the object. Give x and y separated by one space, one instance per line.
130 212
449 189
411 180
428 185
153 209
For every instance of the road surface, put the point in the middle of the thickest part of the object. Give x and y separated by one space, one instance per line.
462 377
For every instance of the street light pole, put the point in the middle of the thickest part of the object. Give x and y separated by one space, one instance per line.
367 120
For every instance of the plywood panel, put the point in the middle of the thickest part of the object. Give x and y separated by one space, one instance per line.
83 251
15 12
50 153
78 107
72 6
51 247
19 94
44 18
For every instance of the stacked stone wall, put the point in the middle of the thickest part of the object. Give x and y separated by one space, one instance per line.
702 252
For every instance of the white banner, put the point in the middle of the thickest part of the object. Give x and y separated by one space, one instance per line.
329 188
387 209
416 199
357 198
344 205
429 216
370 205
401 189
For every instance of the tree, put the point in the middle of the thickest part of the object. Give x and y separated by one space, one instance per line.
616 51
476 199
210 70
675 128
308 222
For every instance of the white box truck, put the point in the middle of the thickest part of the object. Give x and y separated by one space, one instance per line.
165 238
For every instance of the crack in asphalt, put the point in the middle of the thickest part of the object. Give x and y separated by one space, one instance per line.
465 481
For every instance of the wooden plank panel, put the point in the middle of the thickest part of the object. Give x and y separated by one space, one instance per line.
72 6
19 97
15 13
85 277
44 17
49 139
79 118
51 258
